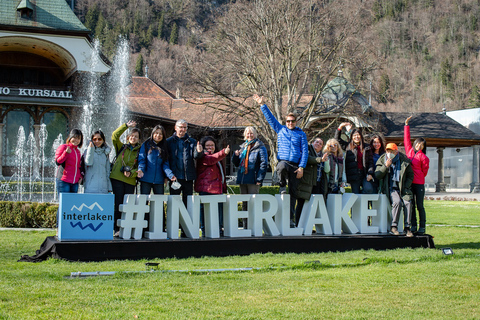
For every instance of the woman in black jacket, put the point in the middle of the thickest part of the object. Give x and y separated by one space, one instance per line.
359 165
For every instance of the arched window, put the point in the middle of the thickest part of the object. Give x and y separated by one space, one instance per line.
56 123
15 120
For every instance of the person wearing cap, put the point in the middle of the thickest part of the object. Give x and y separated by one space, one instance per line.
395 174
292 146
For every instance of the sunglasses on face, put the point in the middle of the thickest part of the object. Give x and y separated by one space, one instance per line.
291 121
332 145
97 139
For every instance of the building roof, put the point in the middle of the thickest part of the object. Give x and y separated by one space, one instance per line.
437 128
149 99
46 15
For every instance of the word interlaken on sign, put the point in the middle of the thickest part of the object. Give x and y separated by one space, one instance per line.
267 215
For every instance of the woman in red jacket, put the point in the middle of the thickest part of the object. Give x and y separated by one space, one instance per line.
211 177
69 157
420 165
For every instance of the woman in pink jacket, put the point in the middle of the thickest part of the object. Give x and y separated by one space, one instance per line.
420 165
211 177
68 157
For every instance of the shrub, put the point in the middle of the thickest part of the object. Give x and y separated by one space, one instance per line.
24 214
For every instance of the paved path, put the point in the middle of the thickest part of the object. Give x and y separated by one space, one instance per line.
454 195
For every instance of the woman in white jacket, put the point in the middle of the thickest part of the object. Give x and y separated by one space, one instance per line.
97 165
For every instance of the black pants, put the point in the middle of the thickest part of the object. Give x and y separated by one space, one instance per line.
146 188
186 189
418 196
120 189
286 171
317 189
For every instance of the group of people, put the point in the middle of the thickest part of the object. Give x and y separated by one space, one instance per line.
186 164
373 167
189 165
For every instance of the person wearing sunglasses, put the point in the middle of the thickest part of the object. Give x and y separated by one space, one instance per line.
292 153
97 165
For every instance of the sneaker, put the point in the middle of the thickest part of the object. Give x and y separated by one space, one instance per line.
292 224
408 233
283 190
421 231
394 231
413 229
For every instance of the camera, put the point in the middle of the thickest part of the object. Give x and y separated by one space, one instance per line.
125 169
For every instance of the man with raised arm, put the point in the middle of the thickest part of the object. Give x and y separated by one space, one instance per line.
292 153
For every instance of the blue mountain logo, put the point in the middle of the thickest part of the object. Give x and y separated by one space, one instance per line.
89 207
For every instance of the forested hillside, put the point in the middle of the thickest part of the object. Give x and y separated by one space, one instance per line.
424 52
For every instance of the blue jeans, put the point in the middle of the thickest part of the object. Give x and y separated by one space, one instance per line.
66 187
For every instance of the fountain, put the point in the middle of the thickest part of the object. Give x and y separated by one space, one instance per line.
99 111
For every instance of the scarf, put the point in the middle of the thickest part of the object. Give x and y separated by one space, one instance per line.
244 156
395 172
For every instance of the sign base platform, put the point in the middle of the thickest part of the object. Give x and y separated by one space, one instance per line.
119 249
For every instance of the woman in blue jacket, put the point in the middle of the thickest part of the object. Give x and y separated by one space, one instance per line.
153 164
252 161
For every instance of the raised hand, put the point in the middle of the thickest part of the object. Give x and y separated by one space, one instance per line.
199 147
131 123
258 99
68 150
227 150
407 120
237 152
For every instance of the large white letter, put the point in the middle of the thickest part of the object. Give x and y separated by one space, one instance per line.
338 207
383 219
177 214
265 207
232 214
282 218
133 220
155 224
210 212
360 213
315 213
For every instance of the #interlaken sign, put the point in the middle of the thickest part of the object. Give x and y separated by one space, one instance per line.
85 216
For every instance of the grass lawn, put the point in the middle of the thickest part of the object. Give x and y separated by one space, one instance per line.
393 284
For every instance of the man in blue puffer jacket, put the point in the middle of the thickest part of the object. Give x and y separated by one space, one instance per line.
292 153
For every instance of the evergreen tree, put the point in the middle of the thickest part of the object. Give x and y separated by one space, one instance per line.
174 34
139 66
474 100
100 28
161 22
91 18
384 88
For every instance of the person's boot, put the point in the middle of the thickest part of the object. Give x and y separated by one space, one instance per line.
394 231
413 229
408 233
421 231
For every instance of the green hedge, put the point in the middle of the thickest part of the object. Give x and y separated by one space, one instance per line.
23 214
273 190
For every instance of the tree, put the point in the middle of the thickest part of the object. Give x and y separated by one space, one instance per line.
281 49
139 66
474 100
384 88
174 34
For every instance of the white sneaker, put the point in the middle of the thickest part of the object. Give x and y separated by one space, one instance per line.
283 190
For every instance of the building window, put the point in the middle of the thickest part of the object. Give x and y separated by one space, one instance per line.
15 120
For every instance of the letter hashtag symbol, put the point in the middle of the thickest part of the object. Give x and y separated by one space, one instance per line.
133 220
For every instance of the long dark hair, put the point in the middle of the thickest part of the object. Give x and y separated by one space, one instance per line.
102 135
208 138
421 140
160 146
351 144
76 133
382 143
